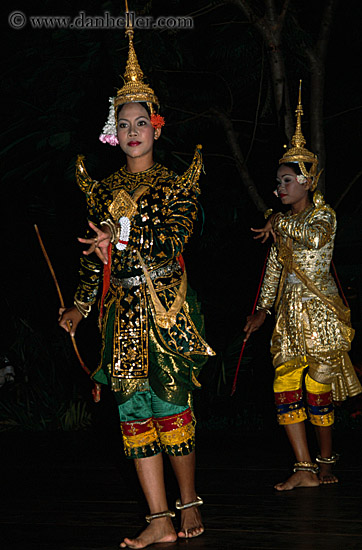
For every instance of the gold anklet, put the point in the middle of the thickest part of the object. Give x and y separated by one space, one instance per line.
306 467
165 514
180 506
332 460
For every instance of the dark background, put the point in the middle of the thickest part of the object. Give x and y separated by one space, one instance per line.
55 86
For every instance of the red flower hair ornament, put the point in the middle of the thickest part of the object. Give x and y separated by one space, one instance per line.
157 121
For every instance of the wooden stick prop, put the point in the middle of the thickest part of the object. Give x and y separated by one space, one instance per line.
252 313
96 392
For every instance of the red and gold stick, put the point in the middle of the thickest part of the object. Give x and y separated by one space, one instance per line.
252 313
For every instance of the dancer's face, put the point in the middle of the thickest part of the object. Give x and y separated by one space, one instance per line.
289 190
135 132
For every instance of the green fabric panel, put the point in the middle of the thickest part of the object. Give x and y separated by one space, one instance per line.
170 374
143 405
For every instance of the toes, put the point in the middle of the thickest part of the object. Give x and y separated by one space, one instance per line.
129 543
328 480
281 487
191 533
196 532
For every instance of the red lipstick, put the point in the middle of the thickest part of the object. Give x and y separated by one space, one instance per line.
134 143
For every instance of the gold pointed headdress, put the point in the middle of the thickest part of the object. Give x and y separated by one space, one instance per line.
297 152
133 90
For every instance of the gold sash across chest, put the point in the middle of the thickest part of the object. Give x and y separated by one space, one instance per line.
125 205
164 318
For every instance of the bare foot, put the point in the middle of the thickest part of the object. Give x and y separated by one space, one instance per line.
325 474
191 523
299 479
159 530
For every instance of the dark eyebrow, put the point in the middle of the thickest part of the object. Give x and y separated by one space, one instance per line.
127 119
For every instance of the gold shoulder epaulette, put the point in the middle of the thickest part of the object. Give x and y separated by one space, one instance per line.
84 181
191 177
318 199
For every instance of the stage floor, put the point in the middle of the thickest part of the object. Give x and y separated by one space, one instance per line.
76 491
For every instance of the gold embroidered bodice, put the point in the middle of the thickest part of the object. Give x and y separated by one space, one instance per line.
159 230
312 233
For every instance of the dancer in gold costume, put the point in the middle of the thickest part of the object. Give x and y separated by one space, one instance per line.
152 329
313 334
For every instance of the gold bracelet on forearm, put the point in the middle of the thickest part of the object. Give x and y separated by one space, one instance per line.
82 307
114 229
260 308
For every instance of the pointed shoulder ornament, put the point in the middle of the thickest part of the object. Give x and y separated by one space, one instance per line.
318 199
85 182
190 178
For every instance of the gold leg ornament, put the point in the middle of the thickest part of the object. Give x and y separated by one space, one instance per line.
180 506
306 467
329 461
194 503
323 460
165 514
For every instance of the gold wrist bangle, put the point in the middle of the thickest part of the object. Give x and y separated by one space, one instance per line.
260 308
82 307
114 229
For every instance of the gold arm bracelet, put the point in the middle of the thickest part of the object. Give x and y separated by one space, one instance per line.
260 308
114 229
82 307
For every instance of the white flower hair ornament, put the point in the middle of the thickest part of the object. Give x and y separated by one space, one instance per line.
301 179
109 132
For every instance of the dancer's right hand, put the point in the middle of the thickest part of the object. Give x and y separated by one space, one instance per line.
69 319
253 323
98 244
266 231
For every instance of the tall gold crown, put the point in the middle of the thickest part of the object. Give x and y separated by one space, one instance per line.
297 152
134 89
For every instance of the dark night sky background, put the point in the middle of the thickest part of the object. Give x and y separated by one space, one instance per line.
55 87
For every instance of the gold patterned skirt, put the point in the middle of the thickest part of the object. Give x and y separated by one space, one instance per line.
307 332
136 351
